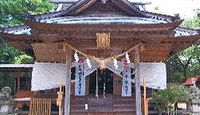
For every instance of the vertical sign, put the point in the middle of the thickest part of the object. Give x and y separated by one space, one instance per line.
80 79
126 80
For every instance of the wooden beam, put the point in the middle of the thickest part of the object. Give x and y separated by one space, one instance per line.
138 107
68 83
58 54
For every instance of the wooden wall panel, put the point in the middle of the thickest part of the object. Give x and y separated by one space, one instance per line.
51 52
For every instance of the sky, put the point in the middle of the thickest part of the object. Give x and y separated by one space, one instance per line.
186 8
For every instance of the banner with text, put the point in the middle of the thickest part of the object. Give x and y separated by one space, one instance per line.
126 79
79 79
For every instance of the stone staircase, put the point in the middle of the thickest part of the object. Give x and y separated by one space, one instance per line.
109 105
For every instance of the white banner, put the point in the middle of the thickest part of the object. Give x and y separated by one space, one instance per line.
51 75
79 79
48 76
155 75
126 80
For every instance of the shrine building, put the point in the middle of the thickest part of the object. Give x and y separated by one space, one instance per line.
101 53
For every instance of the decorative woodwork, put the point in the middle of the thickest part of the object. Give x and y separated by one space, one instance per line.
100 8
103 40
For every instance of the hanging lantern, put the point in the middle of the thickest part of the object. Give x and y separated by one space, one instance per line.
103 40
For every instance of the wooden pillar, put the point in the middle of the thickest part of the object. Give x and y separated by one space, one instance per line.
145 97
17 80
68 83
138 107
117 85
97 88
87 85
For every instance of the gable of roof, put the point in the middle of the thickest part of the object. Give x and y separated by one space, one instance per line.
123 5
107 9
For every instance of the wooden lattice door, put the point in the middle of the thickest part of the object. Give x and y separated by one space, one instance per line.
40 106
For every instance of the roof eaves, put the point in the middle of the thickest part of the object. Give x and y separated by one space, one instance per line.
16 65
141 3
198 30
163 17
63 1
189 30
14 28
48 15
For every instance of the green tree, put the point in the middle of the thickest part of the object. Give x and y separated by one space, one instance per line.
183 64
192 23
24 59
12 12
187 62
8 54
166 99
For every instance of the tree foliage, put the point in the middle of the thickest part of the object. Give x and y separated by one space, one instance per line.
13 12
8 54
21 59
192 23
174 93
187 62
183 64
